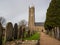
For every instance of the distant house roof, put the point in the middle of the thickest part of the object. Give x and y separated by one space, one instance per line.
39 23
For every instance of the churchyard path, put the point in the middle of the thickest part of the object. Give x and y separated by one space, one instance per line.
47 40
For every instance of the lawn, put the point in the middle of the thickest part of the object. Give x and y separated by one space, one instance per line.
36 36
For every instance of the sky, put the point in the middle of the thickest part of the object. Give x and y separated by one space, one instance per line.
17 10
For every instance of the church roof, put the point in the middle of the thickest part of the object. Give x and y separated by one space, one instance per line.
39 23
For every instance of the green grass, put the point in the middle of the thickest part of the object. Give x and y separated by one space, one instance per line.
36 36
3 40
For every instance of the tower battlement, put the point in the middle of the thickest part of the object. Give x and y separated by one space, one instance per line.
31 6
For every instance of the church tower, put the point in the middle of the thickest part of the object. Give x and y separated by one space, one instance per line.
38 26
31 17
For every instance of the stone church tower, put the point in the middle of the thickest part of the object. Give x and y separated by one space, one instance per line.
31 17
32 24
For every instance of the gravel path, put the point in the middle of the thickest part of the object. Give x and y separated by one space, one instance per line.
47 40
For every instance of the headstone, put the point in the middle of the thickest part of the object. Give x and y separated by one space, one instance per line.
28 34
15 31
57 33
20 32
1 33
23 32
55 30
9 31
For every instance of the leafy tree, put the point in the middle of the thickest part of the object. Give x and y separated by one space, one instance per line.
23 22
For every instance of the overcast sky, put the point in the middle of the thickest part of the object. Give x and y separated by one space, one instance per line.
16 10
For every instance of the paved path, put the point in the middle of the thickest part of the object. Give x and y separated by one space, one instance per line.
47 40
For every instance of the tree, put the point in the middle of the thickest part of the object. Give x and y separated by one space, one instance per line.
23 22
53 15
50 16
22 28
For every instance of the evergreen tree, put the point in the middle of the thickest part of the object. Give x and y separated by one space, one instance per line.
53 16
50 15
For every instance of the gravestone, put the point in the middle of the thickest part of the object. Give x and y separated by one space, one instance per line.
23 34
57 36
9 31
20 32
1 33
59 33
28 34
15 31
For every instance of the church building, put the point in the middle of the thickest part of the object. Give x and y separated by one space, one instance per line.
31 23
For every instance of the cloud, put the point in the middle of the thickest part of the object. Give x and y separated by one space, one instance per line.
16 10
